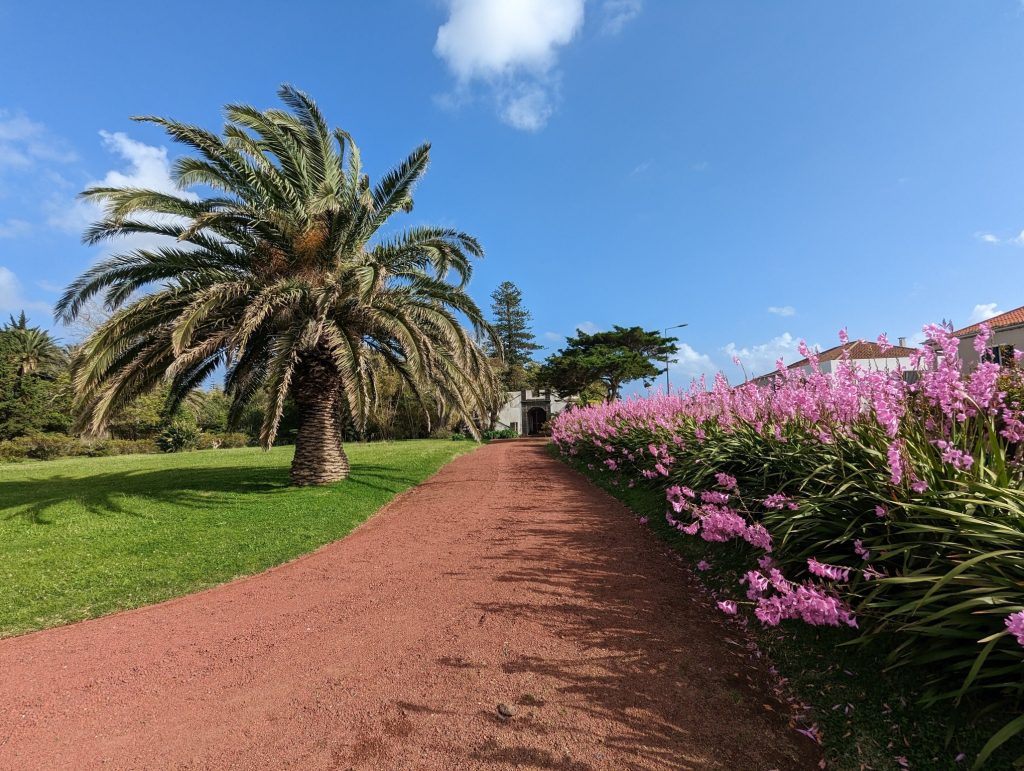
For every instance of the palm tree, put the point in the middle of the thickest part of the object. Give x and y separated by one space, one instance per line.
281 274
32 348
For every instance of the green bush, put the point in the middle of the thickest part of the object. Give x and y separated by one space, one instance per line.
209 440
42 447
109 447
504 433
178 437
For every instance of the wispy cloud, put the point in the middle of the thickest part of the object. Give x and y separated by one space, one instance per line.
983 312
616 14
14 228
12 298
588 326
24 142
641 167
992 238
782 310
760 358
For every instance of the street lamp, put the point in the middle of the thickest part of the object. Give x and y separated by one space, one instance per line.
668 385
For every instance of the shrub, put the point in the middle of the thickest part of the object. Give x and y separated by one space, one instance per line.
42 447
504 433
234 439
226 441
178 437
862 500
109 447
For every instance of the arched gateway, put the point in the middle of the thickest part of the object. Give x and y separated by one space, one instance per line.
526 411
536 417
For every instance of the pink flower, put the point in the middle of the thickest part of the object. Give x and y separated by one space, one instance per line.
833 572
728 607
756 535
844 337
726 481
756 583
895 458
713 496
881 511
1015 624
919 486
643 520
703 565
858 548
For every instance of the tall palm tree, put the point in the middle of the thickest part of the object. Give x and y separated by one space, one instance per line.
281 274
32 348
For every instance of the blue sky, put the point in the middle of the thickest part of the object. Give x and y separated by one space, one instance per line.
763 171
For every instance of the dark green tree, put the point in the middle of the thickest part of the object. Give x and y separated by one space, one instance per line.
35 393
511 322
610 358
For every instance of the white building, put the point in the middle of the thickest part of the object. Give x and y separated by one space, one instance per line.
862 353
526 412
1007 337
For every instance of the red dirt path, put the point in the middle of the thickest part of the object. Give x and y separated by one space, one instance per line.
504 578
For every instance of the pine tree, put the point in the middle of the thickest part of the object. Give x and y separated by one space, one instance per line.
511 322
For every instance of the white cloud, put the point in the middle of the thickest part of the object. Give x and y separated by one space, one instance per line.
782 310
983 312
147 167
552 337
24 141
12 300
691 364
511 46
618 13
13 228
992 238
588 326
760 359
640 168
527 106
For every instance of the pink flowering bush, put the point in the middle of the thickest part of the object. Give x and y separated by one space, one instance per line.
865 499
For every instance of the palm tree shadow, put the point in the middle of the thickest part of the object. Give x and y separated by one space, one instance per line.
129 493
660 667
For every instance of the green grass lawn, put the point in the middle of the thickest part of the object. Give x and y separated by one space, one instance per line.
81 537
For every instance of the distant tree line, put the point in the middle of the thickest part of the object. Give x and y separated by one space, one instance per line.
37 418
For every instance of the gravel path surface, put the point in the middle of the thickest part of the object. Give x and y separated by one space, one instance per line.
505 579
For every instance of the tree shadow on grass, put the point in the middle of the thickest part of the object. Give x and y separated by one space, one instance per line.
129 493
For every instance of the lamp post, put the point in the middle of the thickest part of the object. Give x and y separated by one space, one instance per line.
668 384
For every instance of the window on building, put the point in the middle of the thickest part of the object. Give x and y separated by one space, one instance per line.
1001 355
514 425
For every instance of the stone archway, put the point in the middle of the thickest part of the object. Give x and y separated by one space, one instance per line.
536 417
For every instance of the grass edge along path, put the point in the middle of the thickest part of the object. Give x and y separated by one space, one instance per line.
84 537
867 718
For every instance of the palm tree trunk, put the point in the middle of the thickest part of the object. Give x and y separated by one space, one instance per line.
319 457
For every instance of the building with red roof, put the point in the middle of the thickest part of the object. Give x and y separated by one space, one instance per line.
1007 338
866 354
